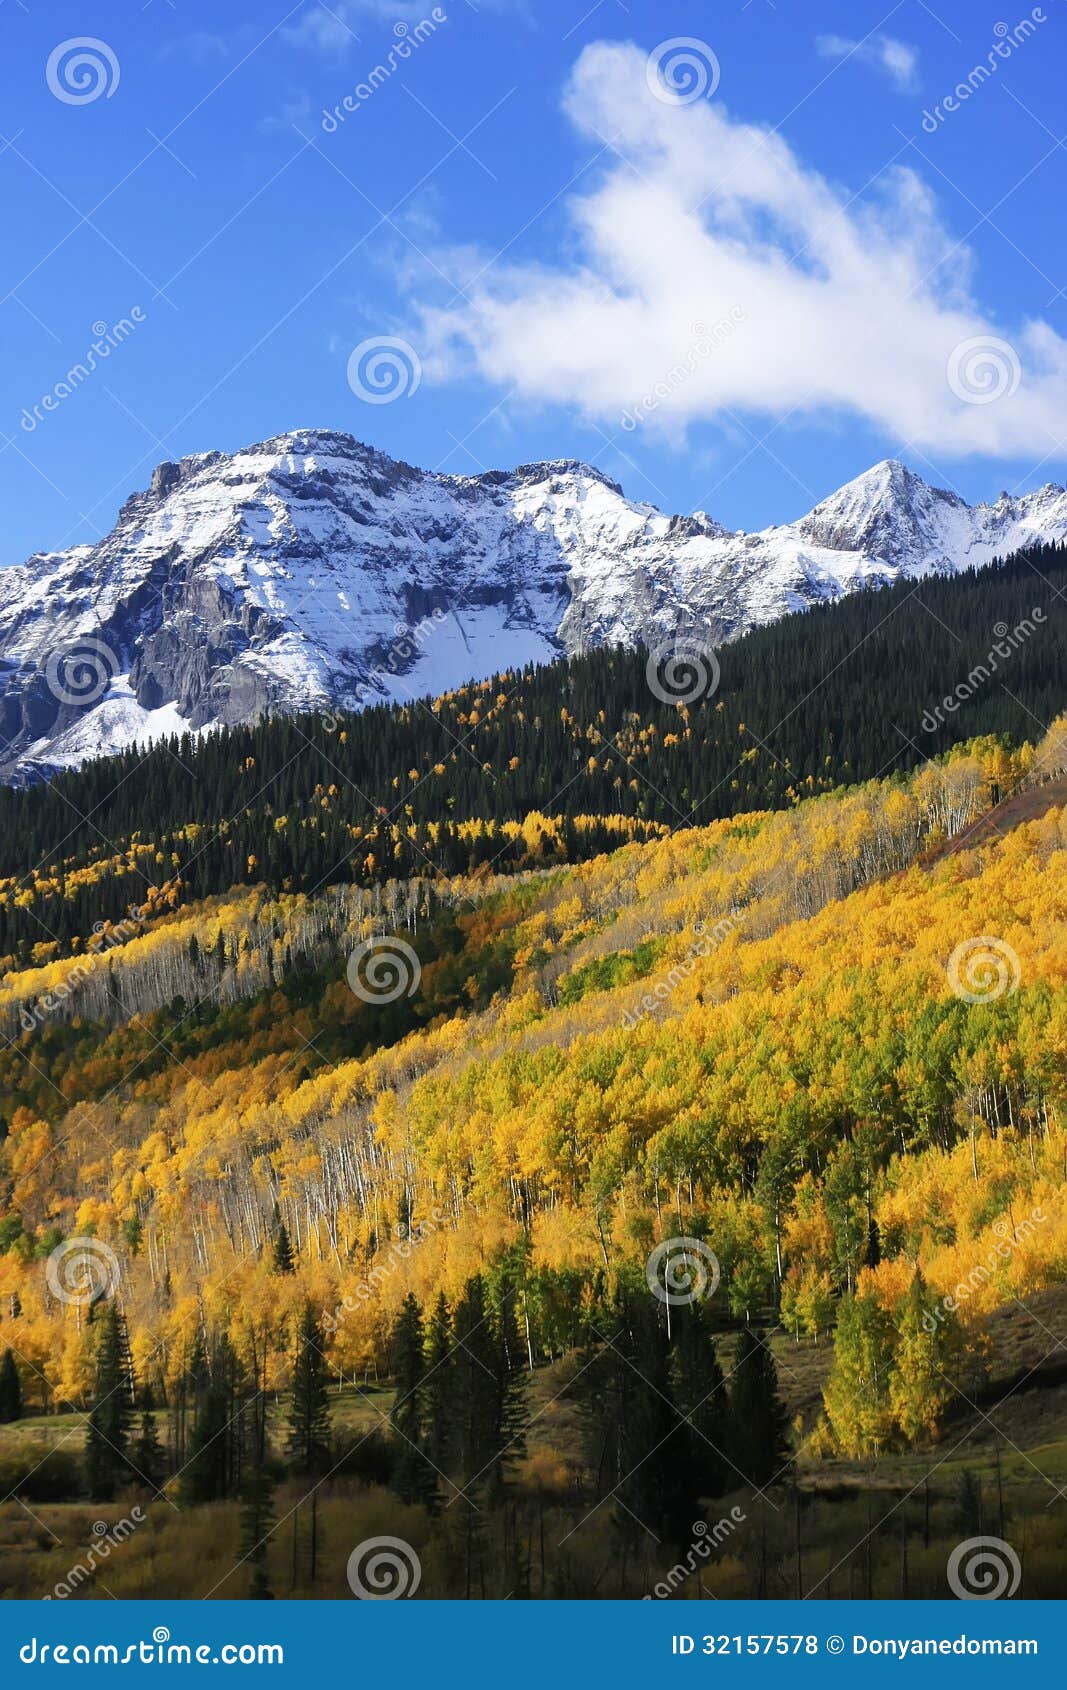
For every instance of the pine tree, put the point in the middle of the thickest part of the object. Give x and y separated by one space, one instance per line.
148 1458
632 1428
700 1395
220 1431
283 1249
256 1524
413 1479
475 1376
309 1404
10 1390
438 1391
968 1512
107 1434
511 1376
760 1423
192 1383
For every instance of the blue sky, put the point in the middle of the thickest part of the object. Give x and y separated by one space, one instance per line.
549 229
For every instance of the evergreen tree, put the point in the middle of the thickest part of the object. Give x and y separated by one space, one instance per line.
476 1413
413 1479
10 1390
841 657
107 1434
221 1430
760 1423
968 1511
309 1404
283 1249
511 1374
148 1458
632 1426
256 1523
705 1438
438 1392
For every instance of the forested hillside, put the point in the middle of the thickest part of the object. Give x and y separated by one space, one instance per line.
825 1052
368 1186
556 764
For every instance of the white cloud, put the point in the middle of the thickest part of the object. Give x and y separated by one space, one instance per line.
897 59
848 308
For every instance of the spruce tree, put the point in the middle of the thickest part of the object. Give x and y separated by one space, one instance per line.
217 1444
413 1479
283 1249
699 1390
309 1403
510 1377
256 1524
476 1386
633 1432
760 1422
968 1511
10 1390
148 1456
438 1391
107 1434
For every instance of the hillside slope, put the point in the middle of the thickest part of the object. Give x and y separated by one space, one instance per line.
552 764
733 1033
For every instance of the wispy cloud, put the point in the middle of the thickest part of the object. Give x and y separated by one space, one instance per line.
852 306
201 46
896 59
336 25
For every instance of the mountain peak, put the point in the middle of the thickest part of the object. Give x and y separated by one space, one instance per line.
312 570
888 511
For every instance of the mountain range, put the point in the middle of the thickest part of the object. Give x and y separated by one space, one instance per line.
311 571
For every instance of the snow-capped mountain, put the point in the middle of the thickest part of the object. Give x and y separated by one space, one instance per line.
312 571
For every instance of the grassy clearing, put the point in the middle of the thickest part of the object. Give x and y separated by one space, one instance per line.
846 1528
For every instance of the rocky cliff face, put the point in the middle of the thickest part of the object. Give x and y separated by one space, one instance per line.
312 571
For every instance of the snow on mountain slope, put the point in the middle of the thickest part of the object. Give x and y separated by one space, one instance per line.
312 571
